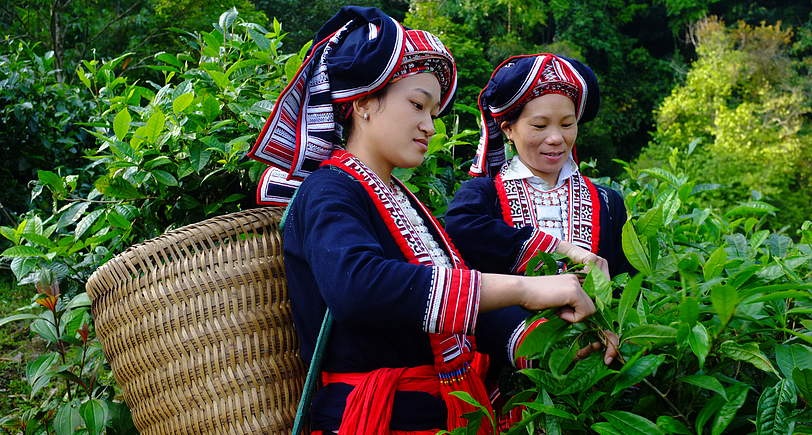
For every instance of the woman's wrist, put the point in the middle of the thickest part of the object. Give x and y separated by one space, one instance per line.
499 291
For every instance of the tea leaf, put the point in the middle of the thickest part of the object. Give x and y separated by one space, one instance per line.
774 408
121 124
586 373
748 352
737 394
788 357
724 299
94 413
651 334
803 380
627 299
715 264
706 382
631 424
699 342
634 373
635 253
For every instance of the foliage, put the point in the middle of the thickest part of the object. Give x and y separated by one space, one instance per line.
715 327
38 117
167 154
88 401
435 181
742 99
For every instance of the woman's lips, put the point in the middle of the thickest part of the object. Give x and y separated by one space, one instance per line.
424 144
553 156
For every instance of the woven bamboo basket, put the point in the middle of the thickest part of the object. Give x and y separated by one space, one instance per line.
197 327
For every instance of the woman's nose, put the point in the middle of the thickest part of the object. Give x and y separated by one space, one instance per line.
427 126
554 138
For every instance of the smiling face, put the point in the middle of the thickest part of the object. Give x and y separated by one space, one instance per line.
544 134
396 132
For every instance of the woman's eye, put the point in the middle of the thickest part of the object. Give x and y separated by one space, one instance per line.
417 106
567 125
539 126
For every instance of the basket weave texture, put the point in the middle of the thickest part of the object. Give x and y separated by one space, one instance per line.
198 329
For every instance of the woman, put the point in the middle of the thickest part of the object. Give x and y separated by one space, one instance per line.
356 241
538 200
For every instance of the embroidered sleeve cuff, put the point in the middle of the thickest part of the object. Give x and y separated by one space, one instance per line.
453 301
516 339
539 240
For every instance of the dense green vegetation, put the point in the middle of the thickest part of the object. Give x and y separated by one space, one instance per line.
122 119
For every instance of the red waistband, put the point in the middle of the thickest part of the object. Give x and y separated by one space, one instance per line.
421 378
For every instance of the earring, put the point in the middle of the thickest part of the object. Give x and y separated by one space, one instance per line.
366 116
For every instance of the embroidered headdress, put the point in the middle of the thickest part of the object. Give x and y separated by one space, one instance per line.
356 53
517 81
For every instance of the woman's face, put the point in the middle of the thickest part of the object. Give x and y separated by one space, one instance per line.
544 134
399 126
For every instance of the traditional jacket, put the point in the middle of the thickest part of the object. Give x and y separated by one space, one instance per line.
500 222
344 236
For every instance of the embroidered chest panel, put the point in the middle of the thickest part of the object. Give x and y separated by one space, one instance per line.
568 212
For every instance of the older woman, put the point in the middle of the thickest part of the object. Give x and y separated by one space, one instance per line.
538 200
358 243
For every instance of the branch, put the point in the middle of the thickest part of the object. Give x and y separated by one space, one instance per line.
118 18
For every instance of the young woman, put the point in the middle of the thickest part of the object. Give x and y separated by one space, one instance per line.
356 241
538 200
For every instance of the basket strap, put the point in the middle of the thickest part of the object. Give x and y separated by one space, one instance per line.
313 373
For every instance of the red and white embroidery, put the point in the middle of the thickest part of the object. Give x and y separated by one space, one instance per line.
579 216
454 295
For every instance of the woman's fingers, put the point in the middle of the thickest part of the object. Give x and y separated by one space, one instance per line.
611 344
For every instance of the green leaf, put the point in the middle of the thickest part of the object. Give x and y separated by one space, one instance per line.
94 413
803 380
117 187
45 329
291 67
706 382
80 300
774 408
689 311
155 125
651 334
87 222
627 299
211 108
748 352
631 424
715 264
169 58
83 77
10 234
560 360
164 177
227 18
467 398
699 342
53 181
737 394
36 372
586 373
550 410
262 42
121 124
199 156
635 372
671 425
790 356
604 428
219 78
182 102
750 208
22 252
540 339
725 299
635 253
17 317
711 407
598 287
68 419
118 220
651 222
72 213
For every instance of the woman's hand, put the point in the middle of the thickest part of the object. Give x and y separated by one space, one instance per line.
581 255
542 292
611 344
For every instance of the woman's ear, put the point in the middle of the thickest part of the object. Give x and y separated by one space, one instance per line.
507 129
364 106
